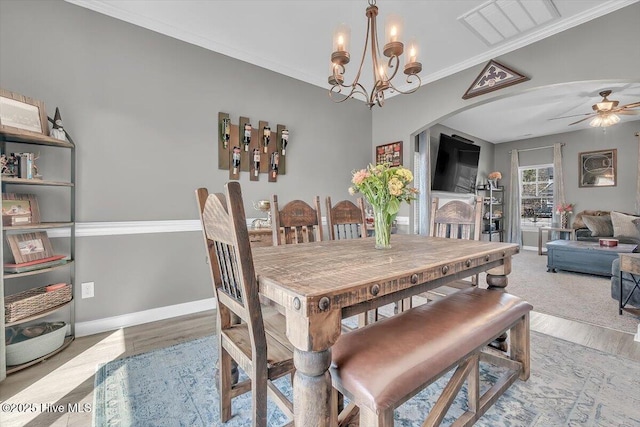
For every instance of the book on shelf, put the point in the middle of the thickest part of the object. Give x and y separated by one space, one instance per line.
24 267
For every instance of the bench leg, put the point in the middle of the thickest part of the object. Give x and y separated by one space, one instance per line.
369 418
466 369
519 348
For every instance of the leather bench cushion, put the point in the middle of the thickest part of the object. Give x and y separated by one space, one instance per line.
381 363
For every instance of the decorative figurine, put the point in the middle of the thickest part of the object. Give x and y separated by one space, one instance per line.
266 136
236 159
9 164
58 131
256 162
34 168
284 141
226 131
247 136
4 165
275 160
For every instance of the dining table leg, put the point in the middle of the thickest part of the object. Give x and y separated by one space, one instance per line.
312 405
498 281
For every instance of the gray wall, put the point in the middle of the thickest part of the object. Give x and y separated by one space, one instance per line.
143 108
621 198
603 49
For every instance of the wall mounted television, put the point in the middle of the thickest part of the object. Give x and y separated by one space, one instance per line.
456 165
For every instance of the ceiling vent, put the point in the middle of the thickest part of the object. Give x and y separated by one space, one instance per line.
498 20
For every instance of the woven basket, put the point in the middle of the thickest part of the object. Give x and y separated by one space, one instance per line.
33 301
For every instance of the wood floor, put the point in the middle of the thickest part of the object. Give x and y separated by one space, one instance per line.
68 378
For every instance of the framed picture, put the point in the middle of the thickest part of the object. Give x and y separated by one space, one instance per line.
21 114
598 168
19 209
389 153
27 247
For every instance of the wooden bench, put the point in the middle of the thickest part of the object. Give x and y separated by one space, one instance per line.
384 364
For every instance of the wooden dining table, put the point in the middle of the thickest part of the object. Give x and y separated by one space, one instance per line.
316 285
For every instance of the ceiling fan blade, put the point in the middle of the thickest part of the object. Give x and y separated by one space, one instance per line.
586 118
628 112
632 105
575 115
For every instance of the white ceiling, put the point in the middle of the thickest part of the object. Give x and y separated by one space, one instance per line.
294 38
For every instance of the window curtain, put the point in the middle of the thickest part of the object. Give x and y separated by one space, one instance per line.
514 232
638 184
558 181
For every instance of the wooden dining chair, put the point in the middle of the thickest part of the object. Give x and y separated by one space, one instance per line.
345 220
296 222
253 339
457 220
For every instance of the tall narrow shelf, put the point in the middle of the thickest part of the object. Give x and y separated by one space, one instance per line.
11 141
492 212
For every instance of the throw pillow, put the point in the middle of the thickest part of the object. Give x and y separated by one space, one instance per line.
579 223
600 226
623 225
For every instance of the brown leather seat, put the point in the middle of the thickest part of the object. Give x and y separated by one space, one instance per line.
379 365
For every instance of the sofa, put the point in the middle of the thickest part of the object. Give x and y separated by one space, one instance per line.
591 225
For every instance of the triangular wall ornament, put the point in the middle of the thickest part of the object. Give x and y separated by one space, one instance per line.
494 76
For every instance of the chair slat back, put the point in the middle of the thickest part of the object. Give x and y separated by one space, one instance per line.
226 238
296 222
346 220
456 219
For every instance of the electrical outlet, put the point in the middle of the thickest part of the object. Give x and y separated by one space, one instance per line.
87 290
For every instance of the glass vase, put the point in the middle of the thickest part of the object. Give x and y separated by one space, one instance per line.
382 224
564 220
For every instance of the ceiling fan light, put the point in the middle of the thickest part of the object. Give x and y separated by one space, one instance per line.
604 120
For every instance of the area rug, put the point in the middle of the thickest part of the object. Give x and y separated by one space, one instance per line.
582 297
570 385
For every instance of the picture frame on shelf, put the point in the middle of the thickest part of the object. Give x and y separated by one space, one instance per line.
389 153
22 115
26 247
19 209
598 168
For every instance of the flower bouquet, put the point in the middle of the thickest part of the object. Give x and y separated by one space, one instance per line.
384 187
564 208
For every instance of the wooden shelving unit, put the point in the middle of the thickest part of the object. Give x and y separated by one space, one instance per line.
11 141
493 211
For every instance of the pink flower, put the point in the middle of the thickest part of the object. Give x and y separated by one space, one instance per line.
360 176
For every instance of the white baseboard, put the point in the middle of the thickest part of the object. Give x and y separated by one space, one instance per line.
131 319
530 248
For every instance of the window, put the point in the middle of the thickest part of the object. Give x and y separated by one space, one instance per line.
536 193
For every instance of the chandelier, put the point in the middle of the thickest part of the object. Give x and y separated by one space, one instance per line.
383 70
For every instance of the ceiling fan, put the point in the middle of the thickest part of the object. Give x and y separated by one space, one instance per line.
605 113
